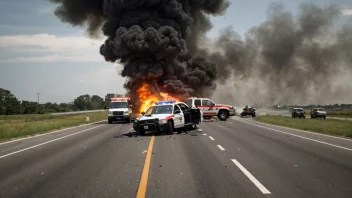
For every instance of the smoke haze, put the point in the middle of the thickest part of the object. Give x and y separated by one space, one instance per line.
155 40
285 60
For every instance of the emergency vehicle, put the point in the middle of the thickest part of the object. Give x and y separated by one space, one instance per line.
210 108
120 109
167 116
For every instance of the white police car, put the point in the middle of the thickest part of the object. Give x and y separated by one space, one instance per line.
165 116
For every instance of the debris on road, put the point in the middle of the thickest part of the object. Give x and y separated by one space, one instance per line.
200 130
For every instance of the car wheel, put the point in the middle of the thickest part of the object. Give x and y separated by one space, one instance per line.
324 117
253 115
141 133
110 121
128 120
223 115
169 128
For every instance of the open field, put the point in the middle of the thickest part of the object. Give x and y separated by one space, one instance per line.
328 126
24 125
340 113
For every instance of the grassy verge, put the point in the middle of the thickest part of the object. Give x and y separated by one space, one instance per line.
328 126
340 113
25 125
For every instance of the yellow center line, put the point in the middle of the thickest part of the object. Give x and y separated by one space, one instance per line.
142 189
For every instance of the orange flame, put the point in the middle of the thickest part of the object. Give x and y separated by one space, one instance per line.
148 96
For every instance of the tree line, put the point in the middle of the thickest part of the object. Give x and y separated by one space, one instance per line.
10 105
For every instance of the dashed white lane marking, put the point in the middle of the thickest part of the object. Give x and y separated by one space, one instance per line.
221 148
211 138
333 145
41 144
251 177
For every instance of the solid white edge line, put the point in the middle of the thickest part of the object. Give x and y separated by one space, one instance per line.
318 141
211 138
221 148
299 130
56 131
251 177
41 144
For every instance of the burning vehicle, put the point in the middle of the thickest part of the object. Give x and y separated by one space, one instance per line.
167 116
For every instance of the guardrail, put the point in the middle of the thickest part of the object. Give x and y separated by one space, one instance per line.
77 112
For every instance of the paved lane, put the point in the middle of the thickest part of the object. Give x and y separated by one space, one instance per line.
89 164
238 158
289 166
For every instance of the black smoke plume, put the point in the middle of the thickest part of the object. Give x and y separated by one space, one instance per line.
155 40
304 59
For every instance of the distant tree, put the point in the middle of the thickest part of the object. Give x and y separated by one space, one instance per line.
9 105
52 107
28 107
83 102
109 96
97 102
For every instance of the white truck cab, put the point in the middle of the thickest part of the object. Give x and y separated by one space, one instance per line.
210 108
165 116
120 109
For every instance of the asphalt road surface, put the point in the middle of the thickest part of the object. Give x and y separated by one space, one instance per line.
236 158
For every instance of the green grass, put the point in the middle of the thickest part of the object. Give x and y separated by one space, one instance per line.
26 125
340 113
346 113
328 126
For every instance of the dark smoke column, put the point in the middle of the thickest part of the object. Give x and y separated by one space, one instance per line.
155 40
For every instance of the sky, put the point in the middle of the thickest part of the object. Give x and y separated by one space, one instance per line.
39 54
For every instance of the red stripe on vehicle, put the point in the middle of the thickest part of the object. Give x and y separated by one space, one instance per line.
168 117
216 106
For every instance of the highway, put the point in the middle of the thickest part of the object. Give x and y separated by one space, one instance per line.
236 158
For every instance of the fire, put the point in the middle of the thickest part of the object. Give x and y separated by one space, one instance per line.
148 96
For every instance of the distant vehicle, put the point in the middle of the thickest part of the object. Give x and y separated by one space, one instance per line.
165 116
318 113
120 109
248 111
298 112
210 108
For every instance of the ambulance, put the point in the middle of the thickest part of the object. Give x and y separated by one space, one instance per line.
210 108
120 109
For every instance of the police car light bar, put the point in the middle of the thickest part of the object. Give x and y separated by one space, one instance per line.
165 102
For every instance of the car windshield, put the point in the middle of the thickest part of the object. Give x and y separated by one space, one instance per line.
115 105
166 109
299 110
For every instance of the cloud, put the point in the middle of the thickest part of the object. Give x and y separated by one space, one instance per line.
347 12
46 10
50 48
